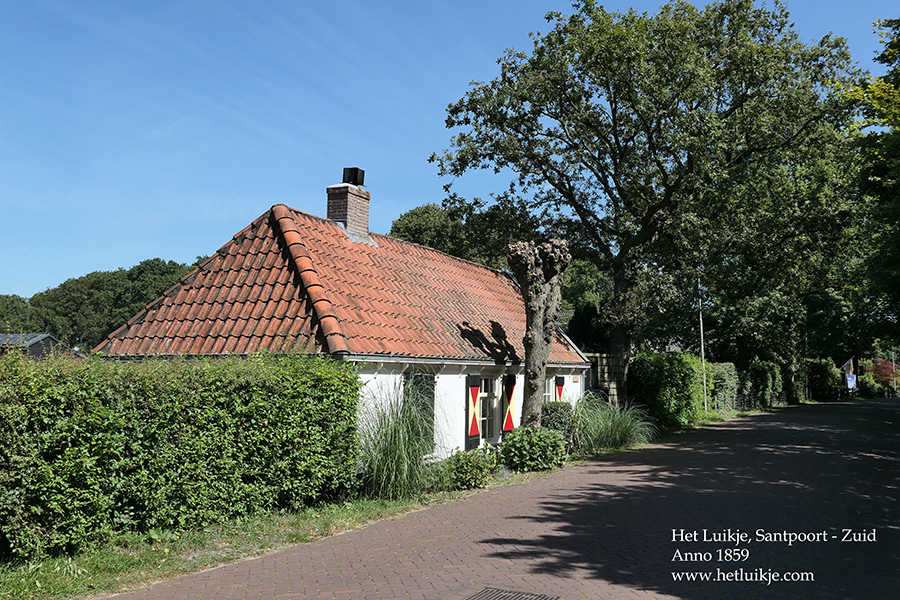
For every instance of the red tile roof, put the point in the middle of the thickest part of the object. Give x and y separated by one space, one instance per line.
292 282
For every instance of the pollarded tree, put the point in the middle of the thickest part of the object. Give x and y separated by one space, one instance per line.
620 125
539 272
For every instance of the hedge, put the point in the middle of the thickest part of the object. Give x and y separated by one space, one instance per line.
90 447
533 449
725 385
669 386
765 383
557 415
825 379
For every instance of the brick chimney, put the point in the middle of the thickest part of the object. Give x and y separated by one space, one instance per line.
348 204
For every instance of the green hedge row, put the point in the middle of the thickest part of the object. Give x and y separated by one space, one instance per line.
90 447
669 386
725 385
762 384
824 379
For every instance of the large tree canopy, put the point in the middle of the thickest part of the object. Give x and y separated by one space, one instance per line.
627 131
880 99
83 310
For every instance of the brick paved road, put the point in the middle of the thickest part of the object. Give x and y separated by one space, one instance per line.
605 529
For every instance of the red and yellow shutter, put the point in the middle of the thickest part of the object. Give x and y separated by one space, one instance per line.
509 388
560 383
473 411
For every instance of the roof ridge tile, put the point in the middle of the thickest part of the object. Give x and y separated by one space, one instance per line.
320 304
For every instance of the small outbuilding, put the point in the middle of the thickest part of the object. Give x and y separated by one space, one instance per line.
35 345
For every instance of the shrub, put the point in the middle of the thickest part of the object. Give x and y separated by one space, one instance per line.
533 449
725 385
824 379
89 447
599 426
558 416
869 386
668 386
884 372
470 469
765 383
395 440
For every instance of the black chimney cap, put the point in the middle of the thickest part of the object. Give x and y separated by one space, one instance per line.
354 175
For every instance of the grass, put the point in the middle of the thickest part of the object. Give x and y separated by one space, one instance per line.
395 442
132 559
599 426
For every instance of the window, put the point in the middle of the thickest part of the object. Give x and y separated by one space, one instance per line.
549 391
489 408
418 396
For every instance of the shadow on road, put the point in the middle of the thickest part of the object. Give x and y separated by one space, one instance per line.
806 469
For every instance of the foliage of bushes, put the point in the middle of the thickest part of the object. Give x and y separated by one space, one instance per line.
599 425
91 447
470 469
869 385
533 449
765 383
669 386
725 385
824 379
882 373
557 415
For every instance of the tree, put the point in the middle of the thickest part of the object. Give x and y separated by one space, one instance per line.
83 310
13 314
880 101
538 270
622 128
469 230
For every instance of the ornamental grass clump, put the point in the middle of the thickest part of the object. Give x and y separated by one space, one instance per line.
395 441
599 426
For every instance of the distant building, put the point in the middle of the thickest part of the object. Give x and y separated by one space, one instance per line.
35 345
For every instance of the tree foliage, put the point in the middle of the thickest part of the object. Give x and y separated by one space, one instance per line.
13 313
83 310
640 136
879 98
469 230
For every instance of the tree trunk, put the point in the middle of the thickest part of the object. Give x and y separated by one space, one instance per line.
538 270
621 333
621 341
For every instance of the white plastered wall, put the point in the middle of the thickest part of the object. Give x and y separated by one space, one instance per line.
385 381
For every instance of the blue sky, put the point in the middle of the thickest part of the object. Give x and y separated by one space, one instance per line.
132 129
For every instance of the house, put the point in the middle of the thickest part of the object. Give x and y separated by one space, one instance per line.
404 314
34 345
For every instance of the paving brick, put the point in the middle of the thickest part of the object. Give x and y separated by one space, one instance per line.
603 529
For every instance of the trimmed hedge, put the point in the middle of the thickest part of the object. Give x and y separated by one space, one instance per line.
558 416
90 447
825 379
533 449
669 386
765 383
725 384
